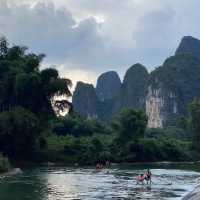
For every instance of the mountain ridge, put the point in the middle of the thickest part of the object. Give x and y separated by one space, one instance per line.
163 94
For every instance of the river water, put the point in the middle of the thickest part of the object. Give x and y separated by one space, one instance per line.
117 182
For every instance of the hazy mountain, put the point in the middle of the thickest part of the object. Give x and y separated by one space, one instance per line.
189 45
164 93
108 85
133 90
85 100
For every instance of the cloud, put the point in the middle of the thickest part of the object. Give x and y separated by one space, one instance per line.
89 37
133 31
53 31
46 29
153 41
78 75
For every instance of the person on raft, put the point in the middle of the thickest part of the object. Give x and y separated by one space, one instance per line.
99 166
146 176
141 178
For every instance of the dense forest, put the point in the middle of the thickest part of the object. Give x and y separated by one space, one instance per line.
32 129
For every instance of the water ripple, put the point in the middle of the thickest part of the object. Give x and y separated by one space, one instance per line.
60 183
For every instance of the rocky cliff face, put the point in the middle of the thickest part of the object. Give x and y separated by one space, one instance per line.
160 106
171 88
108 85
154 107
85 100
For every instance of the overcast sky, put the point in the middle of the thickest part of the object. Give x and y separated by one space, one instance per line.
84 38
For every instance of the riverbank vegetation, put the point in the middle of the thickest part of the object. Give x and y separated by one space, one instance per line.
4 164
126 139
32 129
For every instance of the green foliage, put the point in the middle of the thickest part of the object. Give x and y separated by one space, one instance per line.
182 123
19 130
82 150
4 164
150 150
78 126
128 142
27 100
194 111
169 132
133 143
130 124
164 149
23 84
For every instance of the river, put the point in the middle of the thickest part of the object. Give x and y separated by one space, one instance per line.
169 182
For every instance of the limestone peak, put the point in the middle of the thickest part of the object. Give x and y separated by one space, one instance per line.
108 85
189 45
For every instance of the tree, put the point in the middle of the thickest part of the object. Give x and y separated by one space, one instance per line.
27 100
182 123
130 124
76 125
53 86
194 120
23 84
19 132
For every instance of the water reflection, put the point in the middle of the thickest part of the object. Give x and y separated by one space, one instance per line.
89 184
27 186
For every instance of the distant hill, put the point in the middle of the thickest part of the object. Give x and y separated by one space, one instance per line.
164 93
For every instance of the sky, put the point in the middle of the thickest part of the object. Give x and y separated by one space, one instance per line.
84 38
